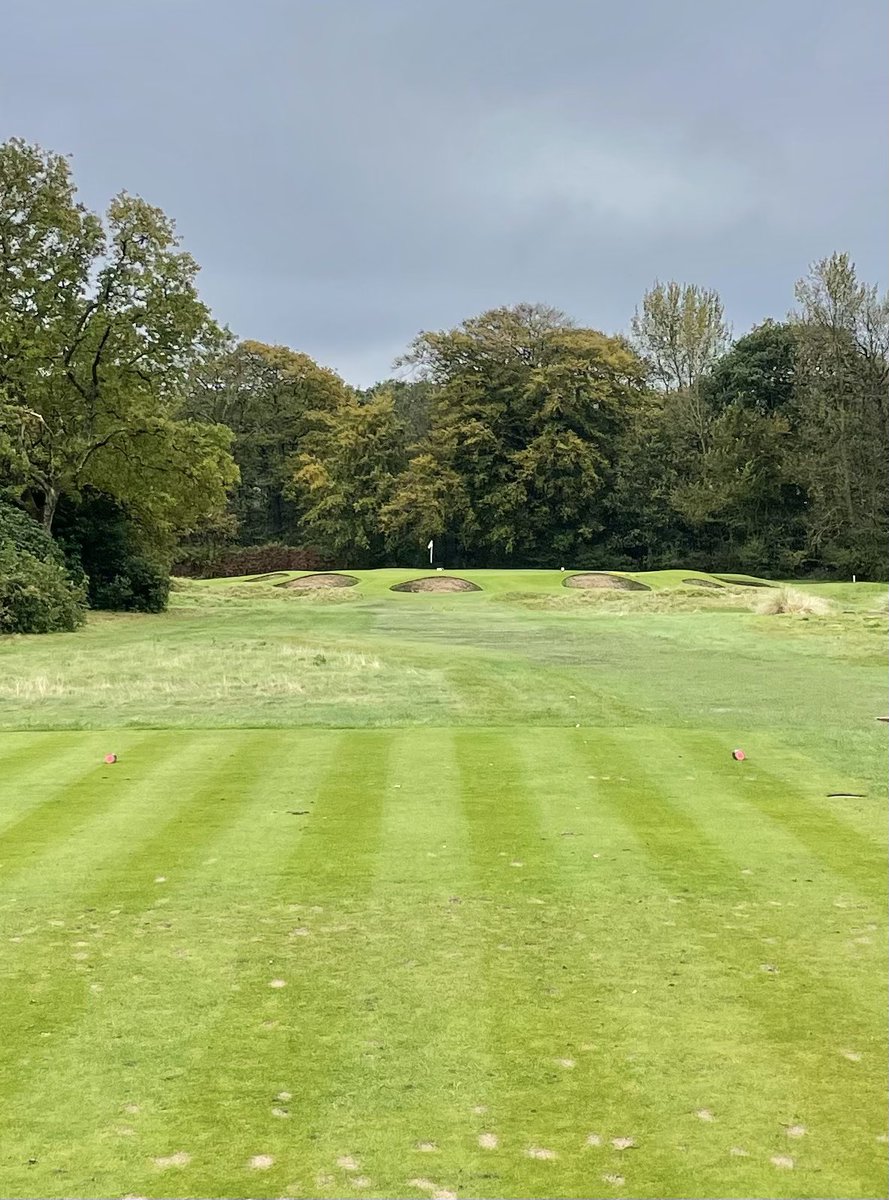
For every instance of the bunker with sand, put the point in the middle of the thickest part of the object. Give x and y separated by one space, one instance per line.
436 583
603 579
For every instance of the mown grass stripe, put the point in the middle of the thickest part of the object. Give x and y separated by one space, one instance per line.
807 1017
55 998
104 1083
306 1037
795 809
68 806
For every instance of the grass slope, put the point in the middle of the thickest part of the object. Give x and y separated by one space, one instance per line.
522 902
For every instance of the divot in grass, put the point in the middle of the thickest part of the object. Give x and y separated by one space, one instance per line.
488 1141
261 1162
347 1163
540 1152
614 1180
593 1139
179 1159
704 1114
623 1143
783 1161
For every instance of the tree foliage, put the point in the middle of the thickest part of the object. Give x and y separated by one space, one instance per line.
37 593
100 323
681 332
133 428
270 397
520 447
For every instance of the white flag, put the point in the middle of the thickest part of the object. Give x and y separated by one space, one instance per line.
429 547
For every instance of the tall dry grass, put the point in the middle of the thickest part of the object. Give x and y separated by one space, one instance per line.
788 600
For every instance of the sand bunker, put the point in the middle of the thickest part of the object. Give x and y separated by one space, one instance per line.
709 583
436 583
310 582
601 579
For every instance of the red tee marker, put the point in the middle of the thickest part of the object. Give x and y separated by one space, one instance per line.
110 758
738 755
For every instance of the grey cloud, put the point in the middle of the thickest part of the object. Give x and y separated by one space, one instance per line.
350 171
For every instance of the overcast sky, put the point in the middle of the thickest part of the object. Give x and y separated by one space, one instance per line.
348 172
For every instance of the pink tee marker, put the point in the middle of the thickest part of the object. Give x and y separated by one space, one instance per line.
738 755
110 758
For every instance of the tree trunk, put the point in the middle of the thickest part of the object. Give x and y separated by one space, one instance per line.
50 502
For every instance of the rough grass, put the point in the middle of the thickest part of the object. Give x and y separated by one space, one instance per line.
789 600
501 918
620 601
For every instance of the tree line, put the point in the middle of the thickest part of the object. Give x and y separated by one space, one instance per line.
135 431
521 439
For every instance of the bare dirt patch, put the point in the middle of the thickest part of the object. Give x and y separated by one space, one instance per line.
321 580
602 579
436 583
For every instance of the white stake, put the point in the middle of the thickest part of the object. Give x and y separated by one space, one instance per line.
429 548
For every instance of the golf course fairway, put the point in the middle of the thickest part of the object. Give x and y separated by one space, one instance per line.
429 895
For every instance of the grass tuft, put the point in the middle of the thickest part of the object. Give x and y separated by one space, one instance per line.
792 601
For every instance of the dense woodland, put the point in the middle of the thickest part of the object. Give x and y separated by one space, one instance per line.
137 435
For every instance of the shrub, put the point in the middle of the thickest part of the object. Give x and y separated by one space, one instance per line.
101 538
24 533
791 600
251 560
139 586
36 595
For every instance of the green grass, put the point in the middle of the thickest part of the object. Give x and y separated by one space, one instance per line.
502 860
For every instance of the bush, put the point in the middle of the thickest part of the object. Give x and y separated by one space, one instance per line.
36 595
251 560
101 538
140 586
792 600
23 533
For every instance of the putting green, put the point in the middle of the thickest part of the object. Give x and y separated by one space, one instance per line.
536 956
